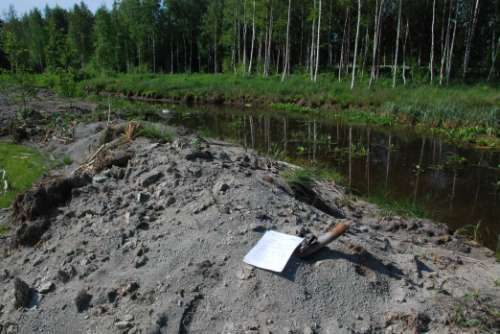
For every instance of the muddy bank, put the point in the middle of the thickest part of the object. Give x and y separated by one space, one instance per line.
155 245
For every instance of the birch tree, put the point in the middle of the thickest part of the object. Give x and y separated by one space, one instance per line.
287 47
317 44
431 65
356 46
395 69
470 36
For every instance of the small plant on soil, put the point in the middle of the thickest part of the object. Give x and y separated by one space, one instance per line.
154 132
67 160
471 232
4 229
474 312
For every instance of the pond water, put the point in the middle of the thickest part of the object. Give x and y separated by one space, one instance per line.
457 186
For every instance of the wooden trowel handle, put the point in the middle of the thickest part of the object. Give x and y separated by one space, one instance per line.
323 240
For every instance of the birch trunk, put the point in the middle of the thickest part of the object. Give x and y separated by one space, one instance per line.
470 37
287 47
450 53
431 65
244 37
317 44
395 69
404 50
342 49
253 40
311 58
376 38
356 46
494 53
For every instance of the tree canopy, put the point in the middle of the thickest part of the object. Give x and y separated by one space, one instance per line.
435 40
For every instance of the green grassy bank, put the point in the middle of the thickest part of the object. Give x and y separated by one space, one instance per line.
467 113
23 166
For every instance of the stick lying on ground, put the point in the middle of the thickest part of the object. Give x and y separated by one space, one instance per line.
312 245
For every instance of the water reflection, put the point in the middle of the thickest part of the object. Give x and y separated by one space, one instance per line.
457 186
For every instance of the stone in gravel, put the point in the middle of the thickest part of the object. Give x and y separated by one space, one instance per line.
47 287
22 293
141 261
199 155
82 301
170 200
142 197
220 187
66 273
99 179
123 325
150 179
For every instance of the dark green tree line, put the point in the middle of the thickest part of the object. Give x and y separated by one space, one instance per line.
432 40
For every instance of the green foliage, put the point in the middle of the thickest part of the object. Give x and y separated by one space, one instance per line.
473 312
397 207
155 132
307 176
470 231
4 229
66 84
67 160
23 166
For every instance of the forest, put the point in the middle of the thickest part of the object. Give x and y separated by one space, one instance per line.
431 41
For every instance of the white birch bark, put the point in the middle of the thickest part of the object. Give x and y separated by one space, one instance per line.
356 46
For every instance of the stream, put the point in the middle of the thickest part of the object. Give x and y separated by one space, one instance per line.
454 185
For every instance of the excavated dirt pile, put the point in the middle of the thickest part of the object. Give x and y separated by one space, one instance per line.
155 244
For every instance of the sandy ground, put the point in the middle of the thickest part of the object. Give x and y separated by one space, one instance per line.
154 243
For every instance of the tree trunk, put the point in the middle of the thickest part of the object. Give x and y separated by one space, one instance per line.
450 53
431 65
376 38
404 50
267 60
395 70
317 44
311 58
494 53
253 39
444 56
356 46
342 49
244 37
470 37
287 47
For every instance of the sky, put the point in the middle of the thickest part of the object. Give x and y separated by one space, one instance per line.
23 6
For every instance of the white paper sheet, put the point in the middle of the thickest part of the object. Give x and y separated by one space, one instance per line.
273 251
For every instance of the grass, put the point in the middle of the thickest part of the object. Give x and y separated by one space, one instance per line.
473 312
4 229
67 160
23 166
470 232
460 113
306 177
155 132
397 207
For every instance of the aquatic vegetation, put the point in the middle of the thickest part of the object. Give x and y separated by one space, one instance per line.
311 173
23 166
397 207
471 232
